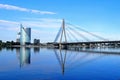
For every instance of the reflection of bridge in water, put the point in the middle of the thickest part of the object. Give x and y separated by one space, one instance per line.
69 60
72 36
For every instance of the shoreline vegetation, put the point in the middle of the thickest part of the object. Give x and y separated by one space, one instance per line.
17 44
8 43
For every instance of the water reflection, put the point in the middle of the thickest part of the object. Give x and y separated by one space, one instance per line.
24 55
10 48
58 65
0 48
61 57
69 60
36 49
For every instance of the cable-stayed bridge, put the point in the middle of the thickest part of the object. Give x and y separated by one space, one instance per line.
73 36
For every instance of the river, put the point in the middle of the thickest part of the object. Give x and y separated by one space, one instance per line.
54 64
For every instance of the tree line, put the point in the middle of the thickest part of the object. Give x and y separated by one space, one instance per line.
8 43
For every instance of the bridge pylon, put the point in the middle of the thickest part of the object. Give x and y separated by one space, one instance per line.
63 34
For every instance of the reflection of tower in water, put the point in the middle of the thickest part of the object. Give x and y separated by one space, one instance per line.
61 57
24 56
69 60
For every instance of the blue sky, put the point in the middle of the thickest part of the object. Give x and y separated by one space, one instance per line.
44 17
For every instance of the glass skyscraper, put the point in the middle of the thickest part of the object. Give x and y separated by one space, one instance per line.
25 35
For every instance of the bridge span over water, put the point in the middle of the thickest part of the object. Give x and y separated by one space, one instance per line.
69 36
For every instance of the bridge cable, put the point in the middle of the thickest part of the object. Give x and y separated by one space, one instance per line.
88 32
79 34
71 33
67 34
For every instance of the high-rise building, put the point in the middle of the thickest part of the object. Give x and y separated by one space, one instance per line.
36 41
25 35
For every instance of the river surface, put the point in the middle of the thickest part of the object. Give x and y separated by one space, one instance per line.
54 64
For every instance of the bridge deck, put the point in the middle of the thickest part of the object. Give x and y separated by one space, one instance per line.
92 42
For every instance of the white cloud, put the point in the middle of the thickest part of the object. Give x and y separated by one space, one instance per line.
9 25
36 23
41 12
8 22
11 7
42 23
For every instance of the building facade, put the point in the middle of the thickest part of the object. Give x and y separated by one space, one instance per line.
25 35
36 41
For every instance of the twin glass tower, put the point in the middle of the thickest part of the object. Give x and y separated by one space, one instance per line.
25 35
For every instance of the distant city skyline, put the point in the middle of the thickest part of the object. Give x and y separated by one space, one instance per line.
45 17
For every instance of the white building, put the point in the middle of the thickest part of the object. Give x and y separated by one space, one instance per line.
25 35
